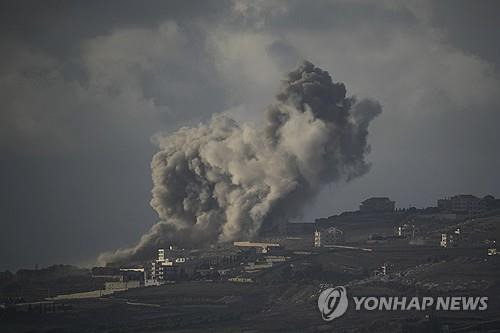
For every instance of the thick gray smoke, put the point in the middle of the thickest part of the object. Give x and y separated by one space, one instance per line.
225 181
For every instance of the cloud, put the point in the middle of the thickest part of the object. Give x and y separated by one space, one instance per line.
285 54
85 86
425 83
224 181
137 76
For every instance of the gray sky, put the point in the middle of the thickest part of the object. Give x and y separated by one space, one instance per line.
84 86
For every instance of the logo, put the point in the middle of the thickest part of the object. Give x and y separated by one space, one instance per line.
332 303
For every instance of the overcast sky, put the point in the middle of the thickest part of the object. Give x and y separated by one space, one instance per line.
85 85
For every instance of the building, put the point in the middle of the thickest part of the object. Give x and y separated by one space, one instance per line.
118 274
240 279
406 230
122 285
162 268
161 254
444 205
377 205
466 203
317 238
451 240
259 247
447 240
328 236
159 269
462 203
490 203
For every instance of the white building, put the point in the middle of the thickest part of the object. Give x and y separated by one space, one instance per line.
162 266
317 238
158 269
329 236
447 240
161 255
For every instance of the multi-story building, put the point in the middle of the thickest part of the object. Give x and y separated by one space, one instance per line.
317 238
444 205
163 268
466 203
462 203
159 268
377 205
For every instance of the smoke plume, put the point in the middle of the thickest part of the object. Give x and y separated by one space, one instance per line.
224 181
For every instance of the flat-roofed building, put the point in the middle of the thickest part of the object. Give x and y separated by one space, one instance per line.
462 203
377 205
260 247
